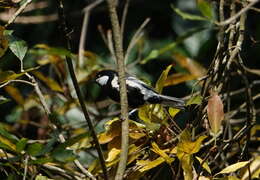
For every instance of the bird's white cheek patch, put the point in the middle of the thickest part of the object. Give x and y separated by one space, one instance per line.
102 80
114 82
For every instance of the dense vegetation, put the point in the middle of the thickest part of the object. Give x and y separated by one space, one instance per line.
54 126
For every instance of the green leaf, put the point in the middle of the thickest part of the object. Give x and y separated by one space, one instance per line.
34 149
63 155
205 8
41 160
17 46
20 145
195 100
188 16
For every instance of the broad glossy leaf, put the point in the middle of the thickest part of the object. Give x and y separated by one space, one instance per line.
178 78
7 135
113 129
17 46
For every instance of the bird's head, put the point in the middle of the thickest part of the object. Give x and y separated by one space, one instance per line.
105 76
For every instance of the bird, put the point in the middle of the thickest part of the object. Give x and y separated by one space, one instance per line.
138 92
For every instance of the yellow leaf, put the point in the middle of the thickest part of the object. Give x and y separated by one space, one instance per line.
160 82
113 154
148 164
204 165
186 164
173 111
195 100
7 142
157 150
52 84
215 112
113 129
178 78
15 94
195 69
3 42
254 169
233 167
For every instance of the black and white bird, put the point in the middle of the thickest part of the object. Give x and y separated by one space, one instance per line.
138 93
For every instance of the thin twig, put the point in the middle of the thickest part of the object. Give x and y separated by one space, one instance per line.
84 29
25 167
123 96
232 18
77 89
123 20
19 11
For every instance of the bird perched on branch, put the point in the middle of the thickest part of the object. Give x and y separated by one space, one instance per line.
138 93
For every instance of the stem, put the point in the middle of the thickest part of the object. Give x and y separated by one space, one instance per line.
117 36
77 89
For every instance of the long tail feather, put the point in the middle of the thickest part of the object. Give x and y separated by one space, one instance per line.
172 102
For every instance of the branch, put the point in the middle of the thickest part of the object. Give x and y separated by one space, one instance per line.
84 28
67 37
117 36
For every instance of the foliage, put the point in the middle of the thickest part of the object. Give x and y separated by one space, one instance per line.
43 134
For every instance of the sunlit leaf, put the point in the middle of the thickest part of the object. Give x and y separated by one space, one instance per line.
215 112
51 83
205 8
234 167
7 135
195 100
17 46
178 78
15 94
157 150
188 16
194 68
3 41
113 129
10 75
6 144
160 82
148 164
173 111
113 154
204 165
43 49
253 171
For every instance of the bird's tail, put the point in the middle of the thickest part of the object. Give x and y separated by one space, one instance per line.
172 102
